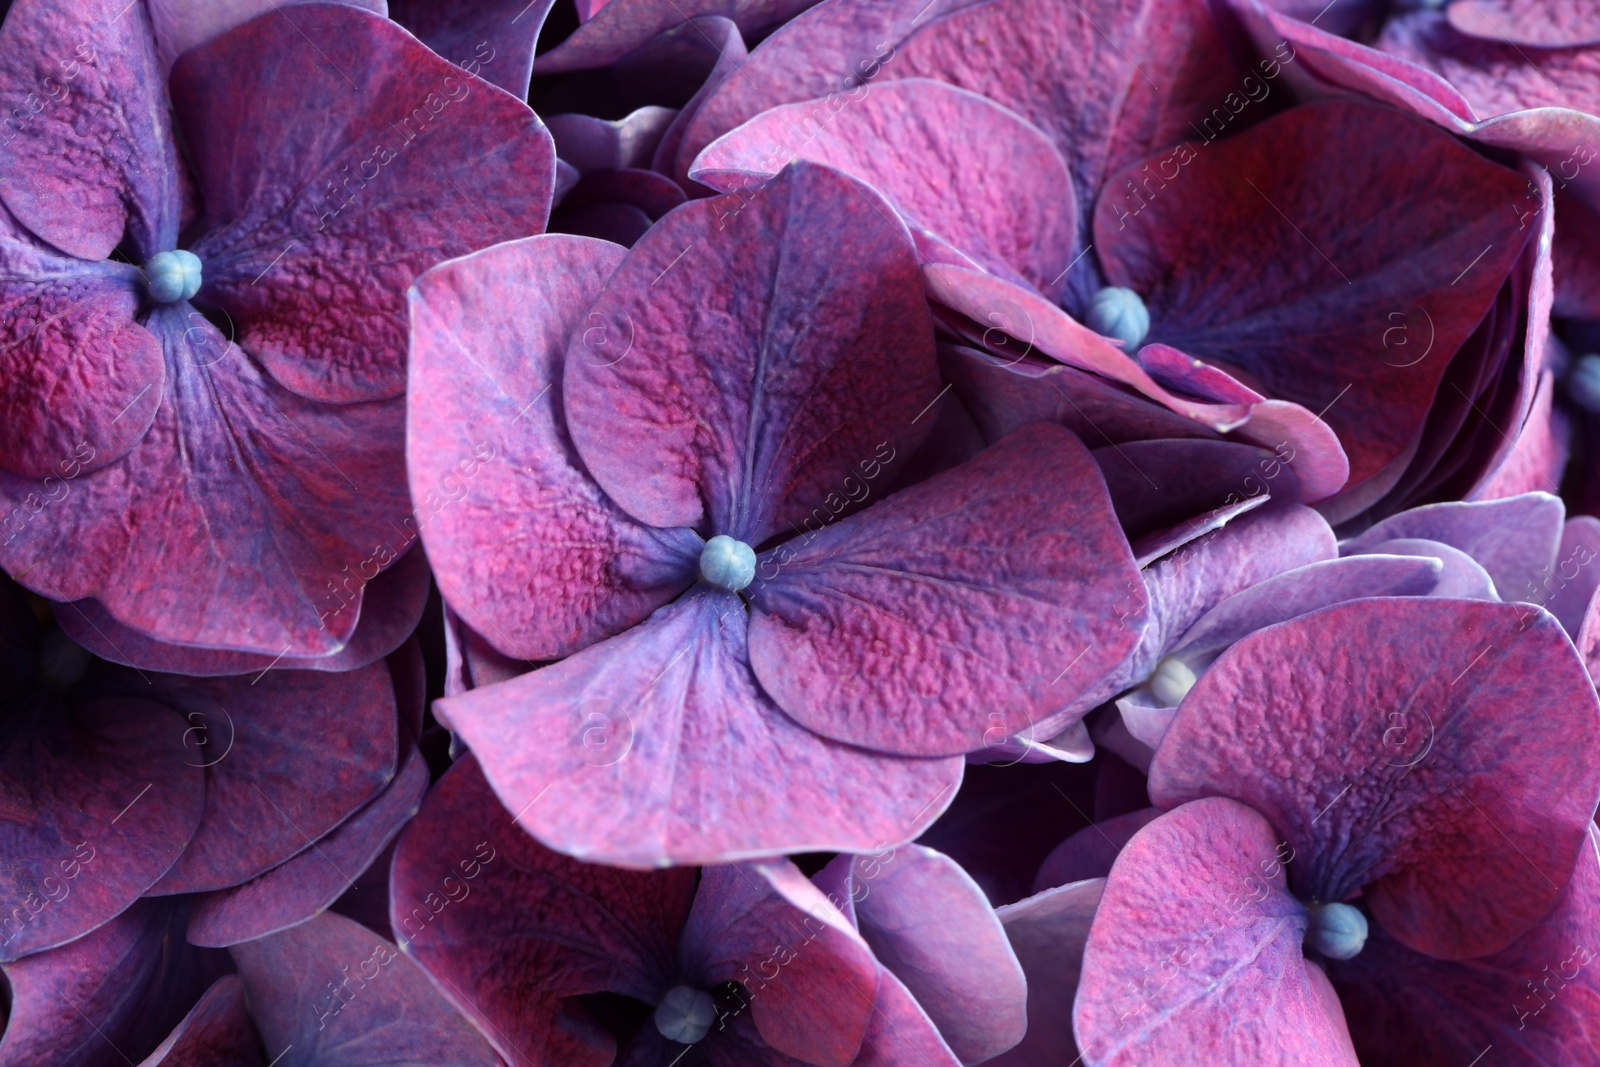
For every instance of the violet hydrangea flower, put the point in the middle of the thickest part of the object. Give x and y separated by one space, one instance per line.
657 424
220 491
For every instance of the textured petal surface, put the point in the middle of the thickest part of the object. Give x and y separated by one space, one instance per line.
967 607
1329 258
1542 25
492 39
331 993
962 169
527 548
509 930
1048 931
375 160
89 151
1386 741
660 745
781 345
1214 970
110 996
217 1032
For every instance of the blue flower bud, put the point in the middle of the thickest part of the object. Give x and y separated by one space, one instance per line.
728 563
1337 931
172 276
1120 314
685 1014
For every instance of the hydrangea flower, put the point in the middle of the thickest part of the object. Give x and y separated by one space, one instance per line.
230 484
687 454
1362 776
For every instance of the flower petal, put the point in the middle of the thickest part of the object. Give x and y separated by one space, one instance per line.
955 613
217 1032
1386 740
1048 931
513 518
492 40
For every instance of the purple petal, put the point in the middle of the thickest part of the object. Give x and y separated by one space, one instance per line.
537 929
109 996
660 745
491 39
217 1032
1414 777
331 993
390 609
182 24
1195 952
652 193
510 516
964 171
623 25
1542 25
592 144
1532 460
1462 576
1568 589
1048 931
752 412
1090 852
929 923
1514 539
93 155
992 588
1312 274
311 247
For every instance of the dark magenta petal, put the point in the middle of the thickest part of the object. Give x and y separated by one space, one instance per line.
326 199
511 517
671 156
1159 484
1415 777
89 153
618 224
1514 539
970 177
217 1032
311 881
331 993
1571 585
992 587
109 996
900 1033
390 609
1090 852
1318 243
471 661
1535 1002
1048 931
929 923
509 930
811 980
274 782
1462 576
1533 460
78 377
1294 593
491 39
182 24
247 519
660 745
654 194
1195 952
624 25
751 413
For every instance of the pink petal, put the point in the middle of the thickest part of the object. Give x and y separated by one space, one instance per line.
1542 25
490 39
512 518
182 24
750 412
955 613
1414 777
659 745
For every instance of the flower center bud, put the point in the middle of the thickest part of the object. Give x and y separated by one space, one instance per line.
1119 313
685 1014
172 276
1338 931
1583 384
728 563
1171 681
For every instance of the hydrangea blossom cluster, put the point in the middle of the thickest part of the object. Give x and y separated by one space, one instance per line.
761 533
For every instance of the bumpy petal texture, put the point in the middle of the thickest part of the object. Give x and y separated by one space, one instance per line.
659 744
217 1032
88 154
109 996
1048 931
1195 952
1327 252
1560 25
492 39
971 605
332 993
333 176
247 519
1386 740
1535 1002
277 778
780 341
512 932
527 548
